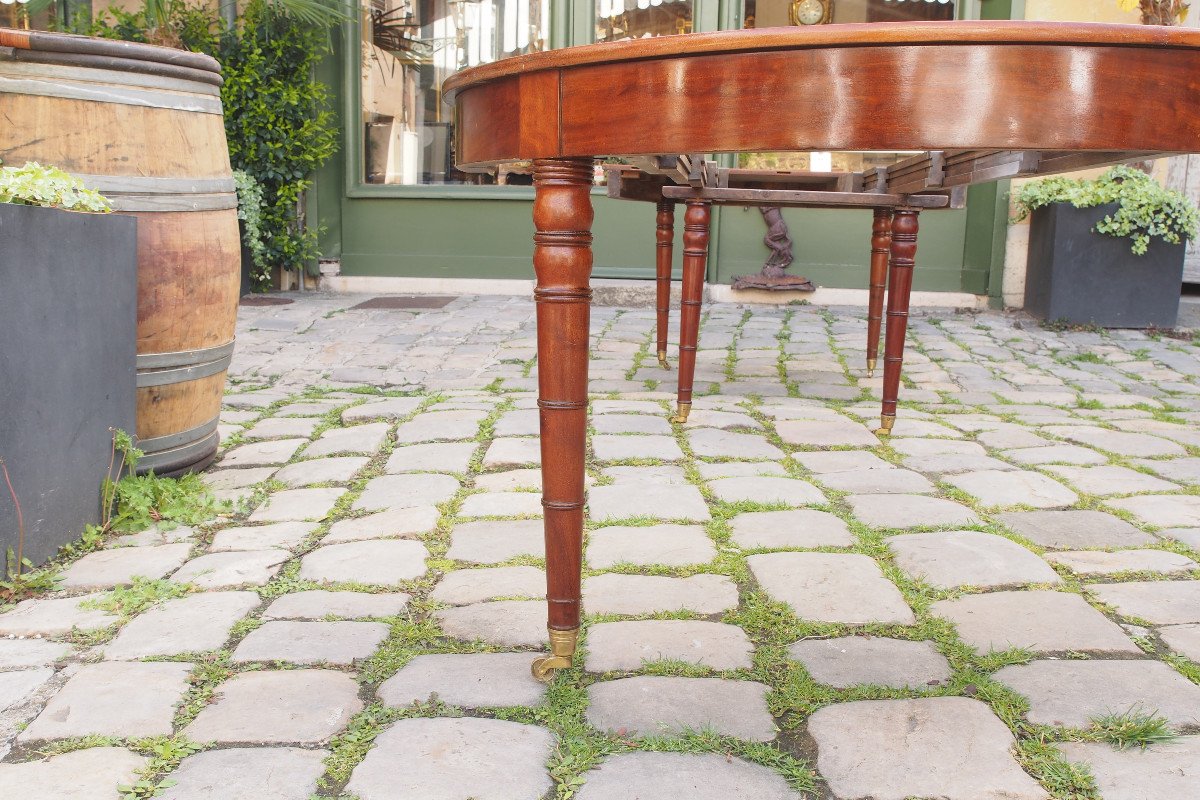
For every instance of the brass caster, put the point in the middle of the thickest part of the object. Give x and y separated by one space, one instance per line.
562 647
886 421
870 368
662 360
681 413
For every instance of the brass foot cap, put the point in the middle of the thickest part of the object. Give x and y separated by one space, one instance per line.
886 422
870 367
562 648
662 359
681 413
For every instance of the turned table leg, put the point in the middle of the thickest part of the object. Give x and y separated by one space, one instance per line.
900 274
665 236
562 260
695 257
881 240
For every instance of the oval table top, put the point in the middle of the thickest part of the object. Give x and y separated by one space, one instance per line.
941 86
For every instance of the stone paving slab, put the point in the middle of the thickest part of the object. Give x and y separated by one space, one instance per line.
312 643
1108 481
1092 562
1124 444
655 706
800 529
258 773
380 562
853 660
465 586
470 680
1183 639
391 408
107 568
231 570
297 504
1014 488
452 759
904 511
190 624
670 545
1074 530
298 706
236 478
440 426
278 535
623 501
445 457
831 587
261 454
739 469
495 541
17 686
648 594
356 439
1167 770
320 470
506 453
623 448
507 623
952 748
403 523
24 653
665 474
628 645
949 559
715 443
406 491
1158 602
1055 454
127 700
782 491
319 603
282 428
501 504
630 423
55 616
1073 693
1163 510
90 774
1041 621
697 776
878 481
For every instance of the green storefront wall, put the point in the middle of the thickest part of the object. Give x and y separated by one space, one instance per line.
486 232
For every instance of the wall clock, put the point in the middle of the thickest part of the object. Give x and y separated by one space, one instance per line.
811 12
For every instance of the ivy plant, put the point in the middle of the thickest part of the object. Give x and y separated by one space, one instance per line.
37 185
1144 208
250 201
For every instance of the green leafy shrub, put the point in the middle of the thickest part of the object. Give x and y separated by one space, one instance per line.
250 202
1146 209
36 185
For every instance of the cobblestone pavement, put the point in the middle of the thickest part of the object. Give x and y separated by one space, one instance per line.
779 604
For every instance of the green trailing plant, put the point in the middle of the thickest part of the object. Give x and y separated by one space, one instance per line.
1145 208
144 500
1157 12
36 185
250 202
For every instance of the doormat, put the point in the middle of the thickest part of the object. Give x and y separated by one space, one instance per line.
405 301
265 300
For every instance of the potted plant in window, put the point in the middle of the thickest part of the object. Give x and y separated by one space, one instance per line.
1107 251
68 317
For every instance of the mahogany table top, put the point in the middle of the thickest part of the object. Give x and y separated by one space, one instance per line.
937 86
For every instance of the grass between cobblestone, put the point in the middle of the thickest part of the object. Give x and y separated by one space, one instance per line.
771 625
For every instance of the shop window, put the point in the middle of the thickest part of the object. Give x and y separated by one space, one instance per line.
639 19
775 13
409 48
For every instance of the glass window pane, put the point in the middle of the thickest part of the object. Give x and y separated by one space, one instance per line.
409 48
639 19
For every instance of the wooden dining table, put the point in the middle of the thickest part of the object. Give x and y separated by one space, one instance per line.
981 101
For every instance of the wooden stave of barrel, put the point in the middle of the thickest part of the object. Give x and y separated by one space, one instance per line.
143 125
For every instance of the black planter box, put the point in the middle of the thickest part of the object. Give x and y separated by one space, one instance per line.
1087 278
68 328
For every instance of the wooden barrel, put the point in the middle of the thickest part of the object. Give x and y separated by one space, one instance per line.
143 125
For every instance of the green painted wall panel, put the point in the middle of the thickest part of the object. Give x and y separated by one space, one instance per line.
832 248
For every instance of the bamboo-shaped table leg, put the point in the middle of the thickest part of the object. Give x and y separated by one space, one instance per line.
665 236
900 274
881 240
695 257
562 260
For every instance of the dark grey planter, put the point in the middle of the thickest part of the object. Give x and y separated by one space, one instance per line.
1086 278
68 328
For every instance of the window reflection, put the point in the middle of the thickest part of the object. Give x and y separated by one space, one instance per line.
409 48
639 19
